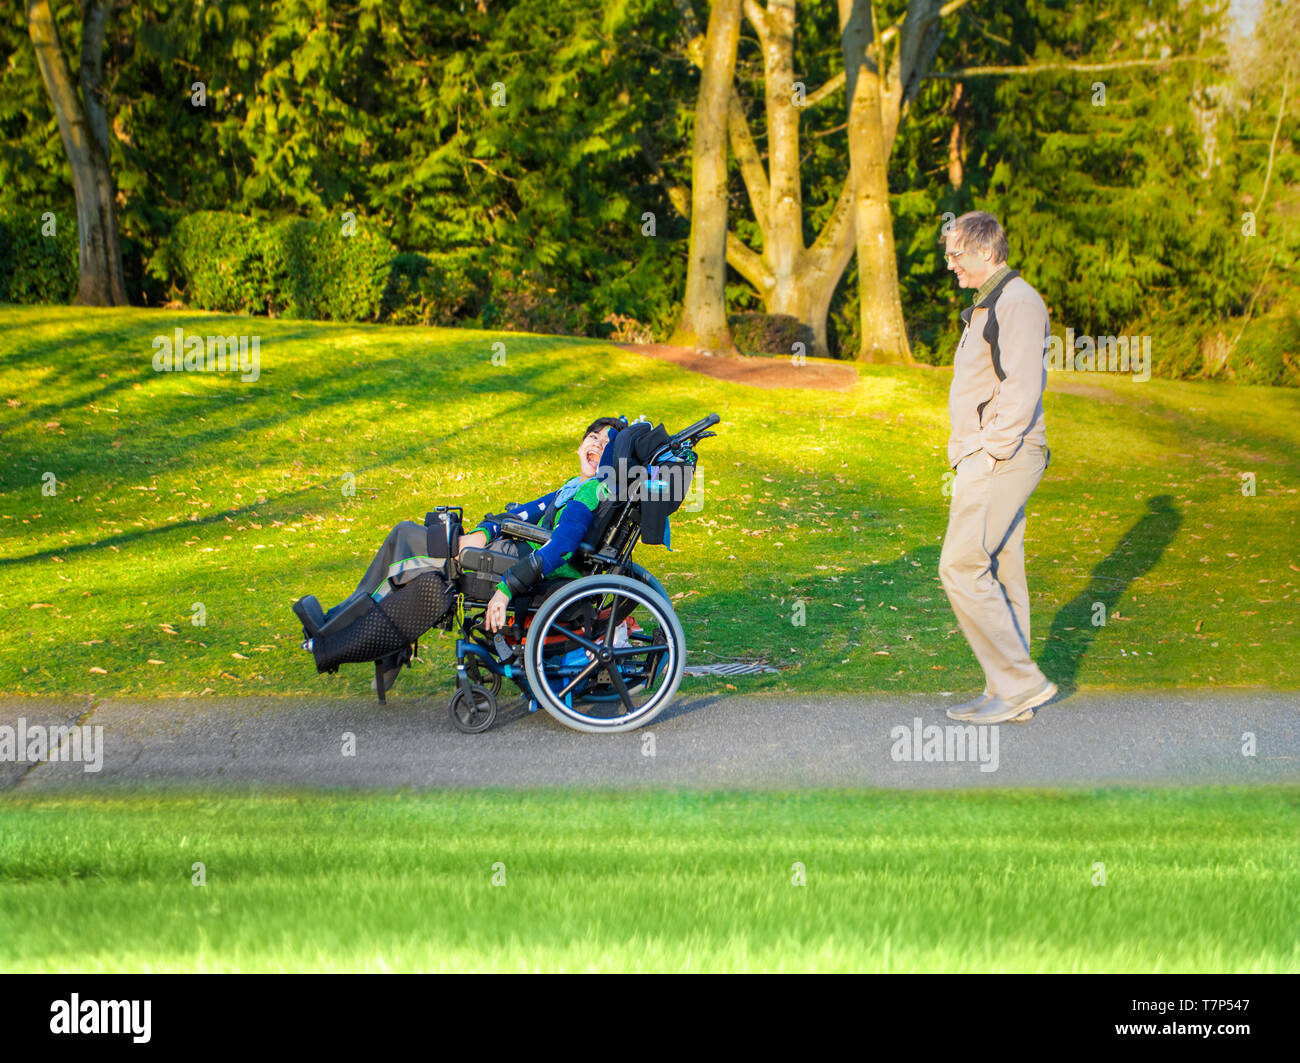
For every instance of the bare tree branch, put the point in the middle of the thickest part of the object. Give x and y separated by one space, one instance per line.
748 263
838 232
741 258
1272 148
837 82
1084 68
1259 207
918 43
751 166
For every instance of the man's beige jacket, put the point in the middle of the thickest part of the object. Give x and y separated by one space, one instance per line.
998 374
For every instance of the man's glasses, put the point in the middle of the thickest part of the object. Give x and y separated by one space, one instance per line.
951 256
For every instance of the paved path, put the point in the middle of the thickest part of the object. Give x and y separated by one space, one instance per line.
1091 738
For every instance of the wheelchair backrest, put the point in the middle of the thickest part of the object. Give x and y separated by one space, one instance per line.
642 472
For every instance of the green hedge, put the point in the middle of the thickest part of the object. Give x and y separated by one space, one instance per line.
757 333
35 268
1269 350
442 288
216 262
291 267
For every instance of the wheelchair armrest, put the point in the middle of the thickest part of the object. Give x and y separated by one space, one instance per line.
518 529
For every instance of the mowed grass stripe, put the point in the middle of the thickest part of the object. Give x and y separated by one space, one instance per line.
1195 880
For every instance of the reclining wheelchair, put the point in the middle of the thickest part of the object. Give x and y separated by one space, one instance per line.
603 652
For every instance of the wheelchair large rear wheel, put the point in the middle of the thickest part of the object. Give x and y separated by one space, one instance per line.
605 654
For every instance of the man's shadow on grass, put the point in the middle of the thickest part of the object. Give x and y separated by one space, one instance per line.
1136 553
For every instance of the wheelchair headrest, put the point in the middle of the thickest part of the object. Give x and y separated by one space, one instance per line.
636 444
624 465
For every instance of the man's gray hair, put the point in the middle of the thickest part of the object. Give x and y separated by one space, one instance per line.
980 231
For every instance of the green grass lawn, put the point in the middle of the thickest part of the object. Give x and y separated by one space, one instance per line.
1195 880
180 494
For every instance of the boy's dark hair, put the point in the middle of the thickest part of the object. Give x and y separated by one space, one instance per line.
612 423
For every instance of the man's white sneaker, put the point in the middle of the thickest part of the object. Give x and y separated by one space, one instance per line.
1003 710
967 709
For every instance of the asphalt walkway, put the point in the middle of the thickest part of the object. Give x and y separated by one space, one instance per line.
734 741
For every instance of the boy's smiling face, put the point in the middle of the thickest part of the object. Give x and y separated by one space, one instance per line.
590 450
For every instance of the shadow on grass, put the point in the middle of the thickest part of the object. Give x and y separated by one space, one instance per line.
517 393
903 598
1136 553
278 503
884 616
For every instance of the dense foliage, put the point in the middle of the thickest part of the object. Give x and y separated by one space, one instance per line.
515 155
38 258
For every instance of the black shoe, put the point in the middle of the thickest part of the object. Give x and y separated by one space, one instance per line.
308 610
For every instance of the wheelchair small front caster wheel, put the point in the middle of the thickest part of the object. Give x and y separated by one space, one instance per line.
478 674
473 717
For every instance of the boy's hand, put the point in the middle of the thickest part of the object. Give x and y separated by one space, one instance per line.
475 539
495 618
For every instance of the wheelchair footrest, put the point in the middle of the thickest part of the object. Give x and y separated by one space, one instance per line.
388 626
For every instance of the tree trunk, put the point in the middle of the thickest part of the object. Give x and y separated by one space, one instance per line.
884 334
789 277
807 291
956 142
84 129
703 322
783 247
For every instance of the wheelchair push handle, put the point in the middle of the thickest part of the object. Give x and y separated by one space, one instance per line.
695 431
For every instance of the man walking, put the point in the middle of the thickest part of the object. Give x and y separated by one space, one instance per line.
999 449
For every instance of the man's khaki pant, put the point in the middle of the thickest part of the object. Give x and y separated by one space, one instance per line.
982 566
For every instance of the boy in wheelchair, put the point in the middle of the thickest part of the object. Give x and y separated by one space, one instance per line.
567 513
412 550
